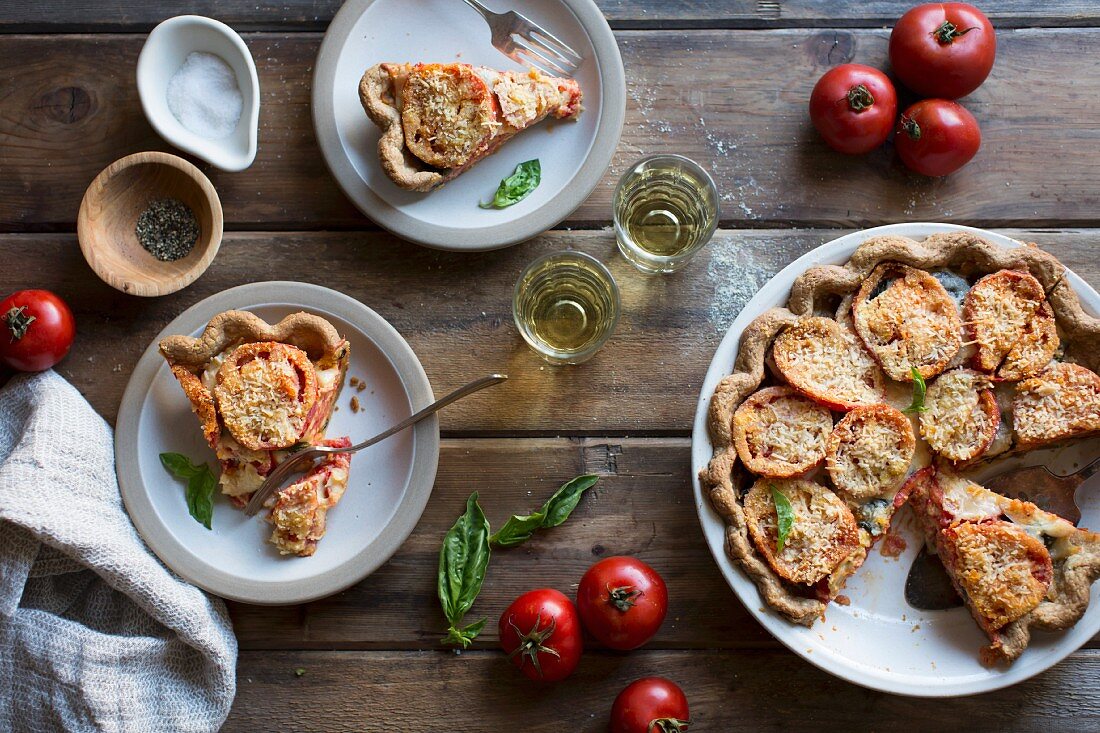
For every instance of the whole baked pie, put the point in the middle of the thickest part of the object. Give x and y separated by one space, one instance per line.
813 456
261 392
437 120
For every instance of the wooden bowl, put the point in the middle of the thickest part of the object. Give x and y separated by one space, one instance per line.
110 210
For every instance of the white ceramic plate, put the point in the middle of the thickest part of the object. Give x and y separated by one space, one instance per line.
574 155
388 487
879 641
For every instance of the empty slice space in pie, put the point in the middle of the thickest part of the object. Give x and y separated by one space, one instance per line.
961 416
907 320
780 433
826 362
1060 403
869 452
1011 324
822 534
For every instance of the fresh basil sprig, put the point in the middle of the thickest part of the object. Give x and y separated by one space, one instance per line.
919 390
784 517
462 562
520 528
201 483
516 187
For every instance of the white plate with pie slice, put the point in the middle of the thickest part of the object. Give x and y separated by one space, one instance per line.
574 154
879 640
387 490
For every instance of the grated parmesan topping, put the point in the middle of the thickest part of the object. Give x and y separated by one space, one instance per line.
955 423
996 565
869 452
821 358
1061 402
782 429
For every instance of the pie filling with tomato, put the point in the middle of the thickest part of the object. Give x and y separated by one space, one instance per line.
437 120
260 393
883 383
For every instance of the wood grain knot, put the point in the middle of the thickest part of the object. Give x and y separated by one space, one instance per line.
598 550
67 105
602 459
832 48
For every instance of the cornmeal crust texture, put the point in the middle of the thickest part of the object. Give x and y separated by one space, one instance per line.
956 259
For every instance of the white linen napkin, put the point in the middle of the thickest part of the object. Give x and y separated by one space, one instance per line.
95 633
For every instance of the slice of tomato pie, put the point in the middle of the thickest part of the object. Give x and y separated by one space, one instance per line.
261 392
437 120
1015 565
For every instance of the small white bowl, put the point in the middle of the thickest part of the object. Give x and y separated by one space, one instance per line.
165 50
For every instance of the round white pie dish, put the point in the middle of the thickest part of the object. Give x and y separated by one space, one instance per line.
574 154
879 641
388 487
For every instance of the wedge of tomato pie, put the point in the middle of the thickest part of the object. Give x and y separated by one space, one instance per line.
260 392
437 120
1015 565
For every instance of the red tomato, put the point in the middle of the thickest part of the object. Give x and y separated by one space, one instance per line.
38 329
622 602
650 705
541 633
936 137
943 49
853 108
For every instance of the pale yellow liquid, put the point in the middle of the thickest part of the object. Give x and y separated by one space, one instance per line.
567 306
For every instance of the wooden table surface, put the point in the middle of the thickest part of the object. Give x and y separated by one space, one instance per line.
723 81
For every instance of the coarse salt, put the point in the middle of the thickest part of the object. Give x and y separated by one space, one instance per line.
203 95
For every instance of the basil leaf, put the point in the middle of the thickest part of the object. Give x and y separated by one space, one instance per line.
462 562
558 508
201 484
517 530
200 496
178 465
784 517
919 390
517 186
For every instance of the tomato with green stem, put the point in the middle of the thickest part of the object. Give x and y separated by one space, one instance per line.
622 602
36 330
936 137
650 705
541 634
943 50
853 108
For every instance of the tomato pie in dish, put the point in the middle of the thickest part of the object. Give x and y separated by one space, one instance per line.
437 120
884 382
261 392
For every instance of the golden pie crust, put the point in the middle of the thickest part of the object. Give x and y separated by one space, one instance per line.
726 481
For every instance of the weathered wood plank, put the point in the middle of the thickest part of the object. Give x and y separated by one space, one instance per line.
26 16
455 310
734 100
727 691
642 506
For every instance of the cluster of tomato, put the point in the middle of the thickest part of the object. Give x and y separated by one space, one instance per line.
939 51
622 603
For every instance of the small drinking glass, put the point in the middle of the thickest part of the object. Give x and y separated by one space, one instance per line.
665 210
566 305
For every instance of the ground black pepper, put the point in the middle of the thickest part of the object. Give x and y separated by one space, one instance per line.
167 229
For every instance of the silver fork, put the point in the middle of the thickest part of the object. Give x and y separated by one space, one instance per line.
295 461
526 42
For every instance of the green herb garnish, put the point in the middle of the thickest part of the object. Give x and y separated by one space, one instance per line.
784 516
919 390
299 672
200 485
517 186
462 562
520 528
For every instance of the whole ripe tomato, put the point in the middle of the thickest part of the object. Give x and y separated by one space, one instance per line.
622 602
541 634
853 108
936 137
943 49
650 705
38 329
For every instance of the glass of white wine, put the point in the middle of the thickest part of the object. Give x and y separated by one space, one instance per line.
566 305
665 210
